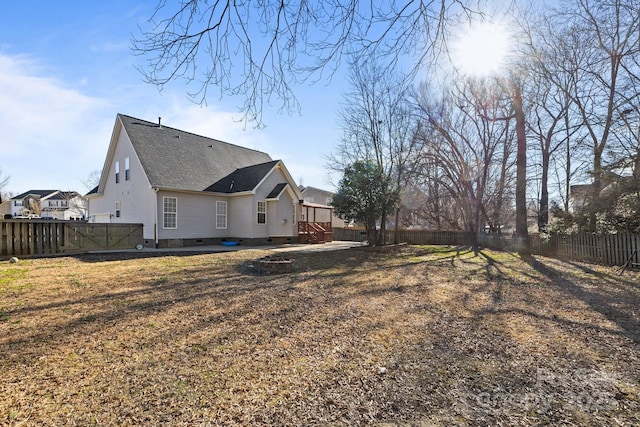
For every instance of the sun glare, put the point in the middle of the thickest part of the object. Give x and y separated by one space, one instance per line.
481 50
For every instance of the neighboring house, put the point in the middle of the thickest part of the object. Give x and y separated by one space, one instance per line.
580 196
189 190
64 205
50 204
321 199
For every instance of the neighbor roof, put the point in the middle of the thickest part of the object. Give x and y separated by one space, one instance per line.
175 159
64 195
39 193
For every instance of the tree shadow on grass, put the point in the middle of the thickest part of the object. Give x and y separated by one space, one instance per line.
202 283
125 256
597 297
281 325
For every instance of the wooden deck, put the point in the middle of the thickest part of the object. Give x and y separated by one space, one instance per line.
316 224
314 232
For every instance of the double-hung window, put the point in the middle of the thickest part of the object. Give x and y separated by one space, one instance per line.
117 172
126 169
221 214
262 212
118 205
170 212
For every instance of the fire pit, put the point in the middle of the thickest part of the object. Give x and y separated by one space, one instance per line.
273 265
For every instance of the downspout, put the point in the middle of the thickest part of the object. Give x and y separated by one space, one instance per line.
155 225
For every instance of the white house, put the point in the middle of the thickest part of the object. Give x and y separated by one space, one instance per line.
50 204
188 189
320 197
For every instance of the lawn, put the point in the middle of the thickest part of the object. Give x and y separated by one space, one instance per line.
420 336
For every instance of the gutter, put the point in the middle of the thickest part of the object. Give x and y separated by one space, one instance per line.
155 225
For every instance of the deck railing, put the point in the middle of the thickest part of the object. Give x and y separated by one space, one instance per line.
315 232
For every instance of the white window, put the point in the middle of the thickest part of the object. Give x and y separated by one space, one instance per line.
117 209
294 214
117 172
170 212
126 169
262 212
221 214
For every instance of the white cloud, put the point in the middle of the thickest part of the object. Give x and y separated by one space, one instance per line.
50 131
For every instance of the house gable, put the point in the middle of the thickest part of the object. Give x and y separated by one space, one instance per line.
128 198
292 188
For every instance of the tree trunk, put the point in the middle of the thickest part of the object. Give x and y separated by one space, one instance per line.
543 214
597 186
522 233
567 183
372 232
382 232
396 227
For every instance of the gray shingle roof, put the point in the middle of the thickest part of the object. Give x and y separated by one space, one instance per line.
243 179
64 195
181 160
39 193
277 190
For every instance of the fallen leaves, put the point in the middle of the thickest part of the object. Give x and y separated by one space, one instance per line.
411 336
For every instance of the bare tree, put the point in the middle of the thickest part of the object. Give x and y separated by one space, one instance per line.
604 49
4 181
92 180
378 127
259 50
554 121
469 139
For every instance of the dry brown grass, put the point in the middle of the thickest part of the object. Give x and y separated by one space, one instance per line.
417 336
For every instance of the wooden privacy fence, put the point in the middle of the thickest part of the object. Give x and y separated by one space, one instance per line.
45 237
412 237
607 249
415 237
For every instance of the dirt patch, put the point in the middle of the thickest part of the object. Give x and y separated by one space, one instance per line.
416 336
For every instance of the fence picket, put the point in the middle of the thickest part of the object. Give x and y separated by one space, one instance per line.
44 237
612 249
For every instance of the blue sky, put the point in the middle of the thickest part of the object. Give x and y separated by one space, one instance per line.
66 70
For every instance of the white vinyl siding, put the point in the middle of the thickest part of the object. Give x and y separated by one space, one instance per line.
170 212
241 210
221 215
137 199
262 212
